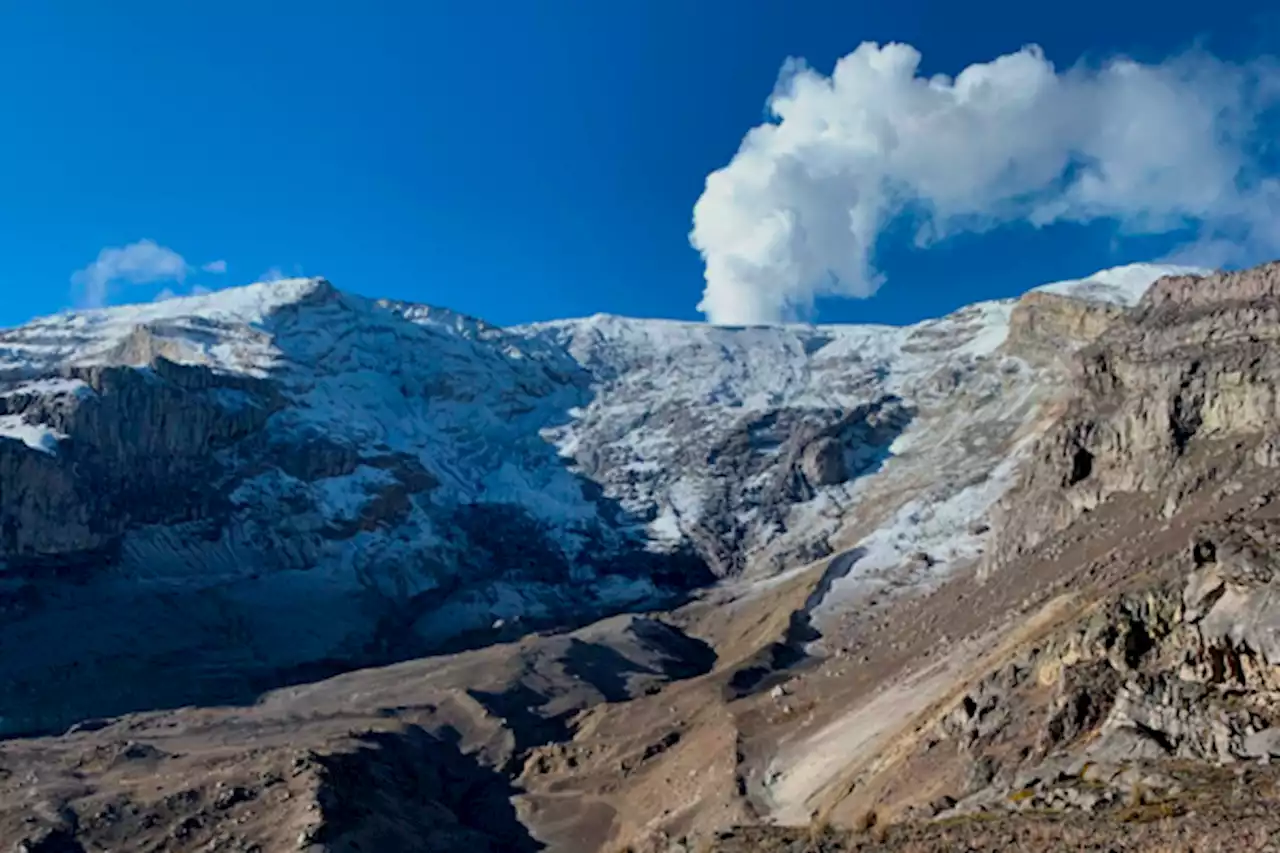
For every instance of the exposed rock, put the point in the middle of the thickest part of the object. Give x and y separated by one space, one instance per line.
1052 326
1263 743
822 462
139 447
1175 716
1086 693
1193 364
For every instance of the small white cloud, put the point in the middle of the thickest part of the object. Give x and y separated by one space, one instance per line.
170 293
137 263
1154 148
278 274
216 267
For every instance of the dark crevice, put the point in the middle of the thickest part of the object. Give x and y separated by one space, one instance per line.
1081 466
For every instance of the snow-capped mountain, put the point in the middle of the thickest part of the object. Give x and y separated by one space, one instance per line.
267 482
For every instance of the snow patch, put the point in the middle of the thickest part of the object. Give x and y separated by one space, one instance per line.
36 436
936 534
48 387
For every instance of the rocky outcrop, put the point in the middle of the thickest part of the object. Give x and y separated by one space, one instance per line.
1184 670
134 447
1190 370
854 444
769 464
1048 326
1248 287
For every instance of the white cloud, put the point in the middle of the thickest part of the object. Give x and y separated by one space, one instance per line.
137 263
1155 148
278 274
170 293
216 267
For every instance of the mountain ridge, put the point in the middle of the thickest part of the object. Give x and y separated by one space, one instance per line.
406 478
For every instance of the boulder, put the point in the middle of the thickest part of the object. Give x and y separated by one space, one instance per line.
823 464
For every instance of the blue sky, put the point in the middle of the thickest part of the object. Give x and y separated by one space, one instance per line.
514 160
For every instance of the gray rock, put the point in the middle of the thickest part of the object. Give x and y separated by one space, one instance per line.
1086 693
823 462
1126 743
1265 743
1078 798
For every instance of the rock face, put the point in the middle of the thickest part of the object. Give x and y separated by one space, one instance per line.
1154 687
277 482
142 440
1192 367
1182 670
1051 326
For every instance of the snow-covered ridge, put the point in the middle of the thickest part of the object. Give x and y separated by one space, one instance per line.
1120 285
86 334
634 368
223 329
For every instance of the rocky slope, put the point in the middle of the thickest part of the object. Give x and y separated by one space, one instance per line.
994 579
1119 690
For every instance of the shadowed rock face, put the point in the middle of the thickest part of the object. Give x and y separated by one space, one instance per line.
413 791
852 446
139 447
793 455
255 493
